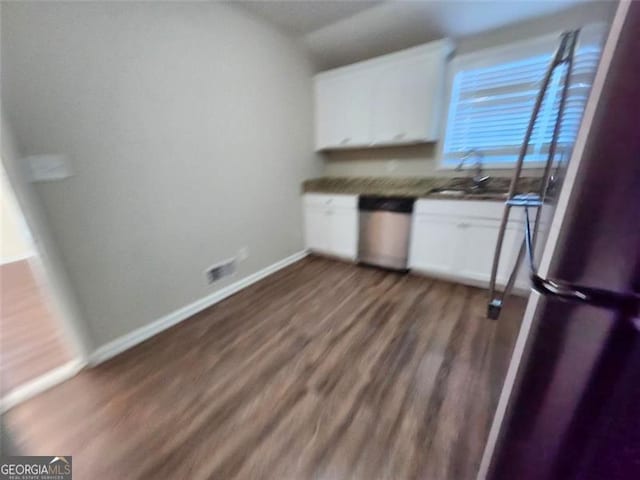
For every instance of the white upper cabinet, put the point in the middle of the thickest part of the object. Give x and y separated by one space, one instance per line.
342 110
391 100
406 101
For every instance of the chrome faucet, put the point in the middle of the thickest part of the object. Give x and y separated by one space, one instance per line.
479 179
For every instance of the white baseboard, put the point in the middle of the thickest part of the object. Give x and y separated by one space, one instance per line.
139 335
39 385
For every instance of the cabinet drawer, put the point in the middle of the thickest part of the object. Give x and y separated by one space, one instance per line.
330 200
476 209
460 208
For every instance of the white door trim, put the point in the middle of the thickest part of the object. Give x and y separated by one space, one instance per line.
40 384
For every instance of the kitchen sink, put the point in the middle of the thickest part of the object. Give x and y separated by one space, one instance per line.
454 192
460 192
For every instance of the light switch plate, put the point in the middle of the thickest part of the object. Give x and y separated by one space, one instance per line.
49 167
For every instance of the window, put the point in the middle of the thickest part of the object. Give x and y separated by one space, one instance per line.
493 93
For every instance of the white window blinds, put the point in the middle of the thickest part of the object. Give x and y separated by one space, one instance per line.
493 95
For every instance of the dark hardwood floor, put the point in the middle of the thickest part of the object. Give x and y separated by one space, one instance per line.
30 338
323 370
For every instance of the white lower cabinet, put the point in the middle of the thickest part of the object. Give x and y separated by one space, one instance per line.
343 232
454 239
316 224
331 224
433 243
475 258
457 239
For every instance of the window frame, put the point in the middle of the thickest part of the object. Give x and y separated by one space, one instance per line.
487 57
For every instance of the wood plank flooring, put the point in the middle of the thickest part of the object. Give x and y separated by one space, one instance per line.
324 370
30 341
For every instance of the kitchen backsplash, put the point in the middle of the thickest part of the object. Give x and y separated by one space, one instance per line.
406 161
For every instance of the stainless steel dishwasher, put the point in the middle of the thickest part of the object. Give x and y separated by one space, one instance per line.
385 230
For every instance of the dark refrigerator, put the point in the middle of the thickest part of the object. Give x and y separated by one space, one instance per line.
570 408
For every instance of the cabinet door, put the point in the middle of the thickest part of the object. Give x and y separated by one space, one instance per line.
476 258
343 109
406 99
343 232
316 228
424 98
434 243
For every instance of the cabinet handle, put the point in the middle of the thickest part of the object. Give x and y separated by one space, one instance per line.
399 136
345 140
464 225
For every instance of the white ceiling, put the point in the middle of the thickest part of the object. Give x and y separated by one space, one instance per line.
341 32
300 17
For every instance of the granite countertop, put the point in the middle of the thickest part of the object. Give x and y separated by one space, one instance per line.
419 187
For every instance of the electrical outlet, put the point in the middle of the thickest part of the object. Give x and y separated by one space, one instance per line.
392 165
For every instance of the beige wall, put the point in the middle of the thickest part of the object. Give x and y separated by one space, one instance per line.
188 126
422 160
15 242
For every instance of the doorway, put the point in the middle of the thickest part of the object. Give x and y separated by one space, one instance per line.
34 350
